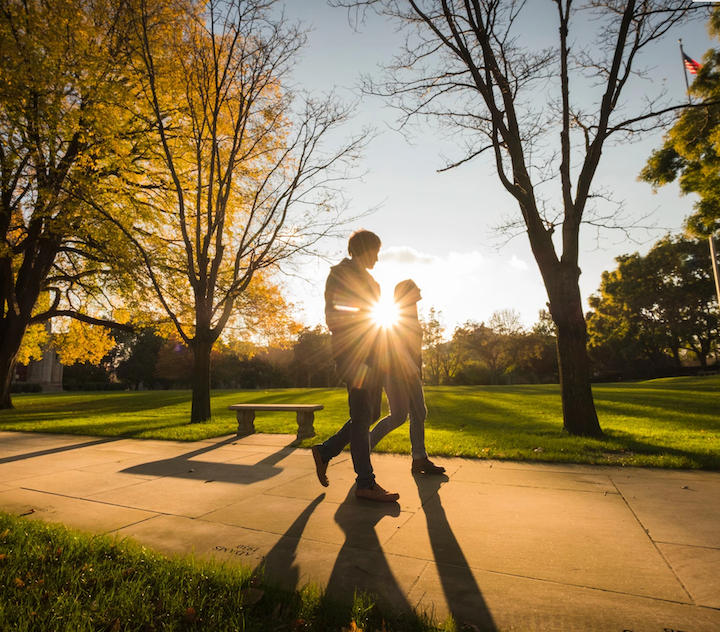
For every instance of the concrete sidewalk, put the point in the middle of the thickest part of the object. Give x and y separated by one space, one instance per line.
501 545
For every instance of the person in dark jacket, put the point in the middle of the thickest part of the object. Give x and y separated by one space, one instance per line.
351 293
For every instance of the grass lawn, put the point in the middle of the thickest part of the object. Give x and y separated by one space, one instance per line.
673 422
53 578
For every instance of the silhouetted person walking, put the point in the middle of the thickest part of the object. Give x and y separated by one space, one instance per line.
403 379
351 293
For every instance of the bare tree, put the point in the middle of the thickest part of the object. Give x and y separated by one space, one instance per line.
544 116
239 180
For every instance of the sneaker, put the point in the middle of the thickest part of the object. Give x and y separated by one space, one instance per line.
320 466
378 494
426 466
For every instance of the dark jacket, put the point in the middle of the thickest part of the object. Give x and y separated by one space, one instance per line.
350 295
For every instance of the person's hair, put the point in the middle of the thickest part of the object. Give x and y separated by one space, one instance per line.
362 241
403 290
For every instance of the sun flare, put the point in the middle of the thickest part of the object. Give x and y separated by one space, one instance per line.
385 313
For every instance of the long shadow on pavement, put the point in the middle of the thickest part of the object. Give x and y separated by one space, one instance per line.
361 562
279 563
462 593
240 473
56 450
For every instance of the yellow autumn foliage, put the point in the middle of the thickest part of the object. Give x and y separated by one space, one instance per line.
33 344
83 343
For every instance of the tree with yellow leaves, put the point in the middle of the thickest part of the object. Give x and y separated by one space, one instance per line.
63 130
236 179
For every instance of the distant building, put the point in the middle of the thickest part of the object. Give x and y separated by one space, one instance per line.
47 372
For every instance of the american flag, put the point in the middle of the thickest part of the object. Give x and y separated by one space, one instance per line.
691 65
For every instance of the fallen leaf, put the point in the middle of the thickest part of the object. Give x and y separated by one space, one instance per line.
19 582
250 596
116 626
5 533
191 616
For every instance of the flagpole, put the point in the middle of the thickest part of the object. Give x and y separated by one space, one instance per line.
682 58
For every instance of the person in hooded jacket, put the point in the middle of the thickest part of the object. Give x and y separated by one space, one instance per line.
351 293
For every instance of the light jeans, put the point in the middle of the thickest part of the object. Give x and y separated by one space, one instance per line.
404 397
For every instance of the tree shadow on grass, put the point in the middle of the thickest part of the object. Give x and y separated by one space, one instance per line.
709 460
99 403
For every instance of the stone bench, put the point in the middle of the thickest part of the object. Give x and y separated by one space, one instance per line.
305 417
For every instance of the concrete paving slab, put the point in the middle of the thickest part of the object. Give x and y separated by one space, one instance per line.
679 509
50 464
42 439
178 535
268 440
496 601
287 560
127 464
573 537
363 524
72 512
80 484
199 489
155 448
26 450
282 459
577 481
540 466
524 546
344 570
698 569
342 482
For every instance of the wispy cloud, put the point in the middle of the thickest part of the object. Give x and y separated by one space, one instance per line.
407 256
518 264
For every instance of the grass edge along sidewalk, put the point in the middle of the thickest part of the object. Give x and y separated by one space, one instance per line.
53 577
668 423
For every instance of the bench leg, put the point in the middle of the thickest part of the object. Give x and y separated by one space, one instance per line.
245 419
305 425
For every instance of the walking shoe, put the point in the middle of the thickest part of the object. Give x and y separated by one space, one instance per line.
378 494
426 466
320 466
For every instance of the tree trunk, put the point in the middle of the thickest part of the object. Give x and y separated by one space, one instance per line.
7 368
11 335
579 414
201 381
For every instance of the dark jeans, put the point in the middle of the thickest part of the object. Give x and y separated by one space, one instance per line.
365 404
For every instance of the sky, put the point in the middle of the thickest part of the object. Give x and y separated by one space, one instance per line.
437 228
